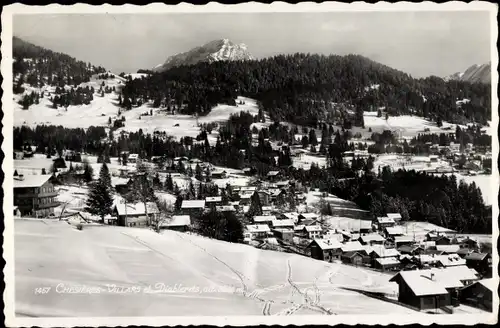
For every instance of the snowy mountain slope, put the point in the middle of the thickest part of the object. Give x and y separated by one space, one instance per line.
111 268
475 73
217 50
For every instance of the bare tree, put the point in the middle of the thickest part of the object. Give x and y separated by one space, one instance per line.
166 211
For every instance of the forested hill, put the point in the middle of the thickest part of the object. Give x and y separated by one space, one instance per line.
38 66
304 89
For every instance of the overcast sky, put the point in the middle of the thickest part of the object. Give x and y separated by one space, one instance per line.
419 43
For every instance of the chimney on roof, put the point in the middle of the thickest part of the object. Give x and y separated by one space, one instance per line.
432 276
20 177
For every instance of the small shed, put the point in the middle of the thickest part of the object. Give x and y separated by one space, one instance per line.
479 294
354 258
387 264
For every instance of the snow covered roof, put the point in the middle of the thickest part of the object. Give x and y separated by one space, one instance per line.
334 235
448 248
248 188
488 283
429 243
372 237
421 282
394 216
136 209
402 239
177 221
361 224
352 246
133 156
213 199
267 208
245 195
273 173
309 215
116 181
450 260
326 244
455 275
385 219
225 208
264 218
282 223
31 181
291 215
381 251
313 228
394 231
387 260
299 227
193 204
258 228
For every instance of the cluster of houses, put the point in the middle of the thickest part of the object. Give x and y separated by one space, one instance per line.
435 272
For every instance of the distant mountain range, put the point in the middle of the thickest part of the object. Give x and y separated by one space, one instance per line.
475 73
217 50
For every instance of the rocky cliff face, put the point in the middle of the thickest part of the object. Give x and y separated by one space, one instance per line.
217 50
475 73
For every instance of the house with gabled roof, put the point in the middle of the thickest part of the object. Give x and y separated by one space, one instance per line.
449 260
177 223
264 219
352 257
35 195
391 232
257 231
371 239
479 294
325 249
193 208
387 264
282 224
313 231
384 222
421 290
131 215
481 262
395 216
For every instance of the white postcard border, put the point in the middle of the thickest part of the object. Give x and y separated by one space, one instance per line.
7 165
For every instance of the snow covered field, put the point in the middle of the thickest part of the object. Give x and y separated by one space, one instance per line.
408 126
344 210
304 161
420 229
417 163
108 271
101 109
35 164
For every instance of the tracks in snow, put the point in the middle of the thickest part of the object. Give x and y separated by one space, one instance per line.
312 304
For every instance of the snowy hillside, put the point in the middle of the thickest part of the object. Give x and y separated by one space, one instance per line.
218 50
112 267
405 125
102 108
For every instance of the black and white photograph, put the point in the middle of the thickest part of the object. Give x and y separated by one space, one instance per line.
243 164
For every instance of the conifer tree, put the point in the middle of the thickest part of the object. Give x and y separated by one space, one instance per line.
88 172
99 201
255 206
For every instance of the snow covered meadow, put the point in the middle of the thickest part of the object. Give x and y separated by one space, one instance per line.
98 112
118 271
